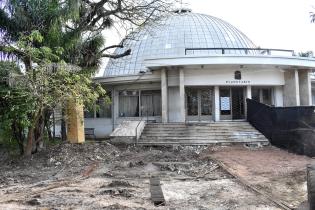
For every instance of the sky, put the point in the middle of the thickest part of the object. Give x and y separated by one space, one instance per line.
278 24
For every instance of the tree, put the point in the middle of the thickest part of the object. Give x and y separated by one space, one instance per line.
27 96
60 45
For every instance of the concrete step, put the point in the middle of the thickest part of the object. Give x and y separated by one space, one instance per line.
196 126
197 130
200 134
264 142
200 137
208 131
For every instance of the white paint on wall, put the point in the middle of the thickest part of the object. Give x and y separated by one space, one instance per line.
173 78
103 127
225 77
174 105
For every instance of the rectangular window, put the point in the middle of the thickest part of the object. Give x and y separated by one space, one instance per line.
262 95
104 109
129 103
101 109
256 94
266 96
192 102
151 103
89 113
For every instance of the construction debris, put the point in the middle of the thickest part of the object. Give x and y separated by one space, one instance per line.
102 176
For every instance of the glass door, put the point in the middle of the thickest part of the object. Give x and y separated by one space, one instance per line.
199 104
205 104
192 104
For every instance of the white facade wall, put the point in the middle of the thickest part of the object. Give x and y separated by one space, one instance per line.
192 77
103 127
174 114
225 77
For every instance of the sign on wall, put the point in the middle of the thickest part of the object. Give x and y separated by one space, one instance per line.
225 103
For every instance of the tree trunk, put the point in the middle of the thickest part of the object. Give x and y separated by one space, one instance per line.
17 130
47 116
63 125
31 131
29 144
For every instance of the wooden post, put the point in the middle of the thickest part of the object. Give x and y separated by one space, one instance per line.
75 122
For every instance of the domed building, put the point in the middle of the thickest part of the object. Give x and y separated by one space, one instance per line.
192 67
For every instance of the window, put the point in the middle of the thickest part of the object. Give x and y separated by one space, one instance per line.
262 95
129 103
101 109
266 96
151 103
192 102
237 75
89 112
256 94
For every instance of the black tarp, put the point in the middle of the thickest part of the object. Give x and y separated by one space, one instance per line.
291 128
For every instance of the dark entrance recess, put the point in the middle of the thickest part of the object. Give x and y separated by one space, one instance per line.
232 103
292 128
237 103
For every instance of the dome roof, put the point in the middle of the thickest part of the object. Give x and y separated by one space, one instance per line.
170 38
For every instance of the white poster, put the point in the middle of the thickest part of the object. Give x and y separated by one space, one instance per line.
225 103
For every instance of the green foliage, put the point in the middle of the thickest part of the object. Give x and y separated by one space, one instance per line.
45 23
49 84
15 106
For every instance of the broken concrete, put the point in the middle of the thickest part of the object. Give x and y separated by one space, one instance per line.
118 178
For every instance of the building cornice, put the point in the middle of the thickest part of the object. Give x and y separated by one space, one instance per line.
280 61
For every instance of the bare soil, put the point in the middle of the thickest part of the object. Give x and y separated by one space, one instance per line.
276 172
99 175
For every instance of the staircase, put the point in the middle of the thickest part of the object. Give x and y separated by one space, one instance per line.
220 133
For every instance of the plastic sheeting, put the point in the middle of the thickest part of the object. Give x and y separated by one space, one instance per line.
291 128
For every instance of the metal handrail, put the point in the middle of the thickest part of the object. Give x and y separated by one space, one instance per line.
246 50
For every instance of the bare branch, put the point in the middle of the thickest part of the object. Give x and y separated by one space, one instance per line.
115 56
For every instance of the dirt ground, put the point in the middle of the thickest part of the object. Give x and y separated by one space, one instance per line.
278 173
103 176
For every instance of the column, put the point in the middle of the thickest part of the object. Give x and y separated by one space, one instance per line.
115 107
291 91
305 87
164 95
75 122
248 95
182 95
216 103
278 96
249 91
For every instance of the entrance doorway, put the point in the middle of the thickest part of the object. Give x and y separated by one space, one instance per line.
199 104
232 103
